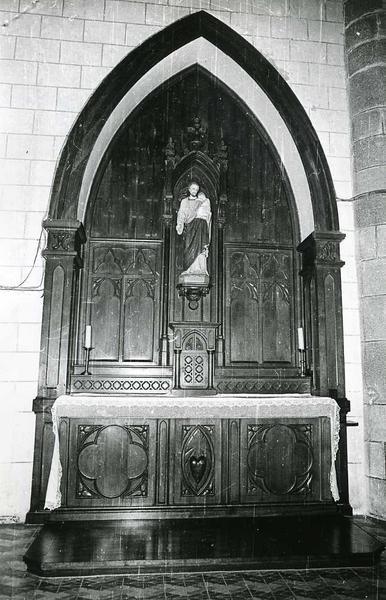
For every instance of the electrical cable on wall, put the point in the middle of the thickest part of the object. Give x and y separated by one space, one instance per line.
33 288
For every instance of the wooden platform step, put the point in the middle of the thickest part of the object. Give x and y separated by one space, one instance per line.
180 545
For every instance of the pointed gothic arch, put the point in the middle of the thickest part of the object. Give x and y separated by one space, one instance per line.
84 133
321 263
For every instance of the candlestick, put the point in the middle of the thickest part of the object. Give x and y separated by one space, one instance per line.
86 360
300 338
87 337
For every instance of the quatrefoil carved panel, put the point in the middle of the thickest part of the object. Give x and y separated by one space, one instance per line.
112 461
280 459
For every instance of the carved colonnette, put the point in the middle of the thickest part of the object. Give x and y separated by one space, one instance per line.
63 255
321 265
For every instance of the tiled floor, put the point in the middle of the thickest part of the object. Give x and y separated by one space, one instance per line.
336 584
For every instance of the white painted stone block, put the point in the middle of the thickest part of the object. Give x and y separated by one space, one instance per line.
19 366
17 252
347 246
272 49
62 28
334 11
43 7
350 295
308 9
126 12
344 189
337 98
71 100
328 75
16 120
14 23
3 144
352 347
92 76
310 52
58 75
80 53
12 224
24 197
354 376
289 27
17 441
5 94
335 54
340 144
325 31
33 225
18 396
42 172
14 171
253 25
351 323
229 5
311 96
30 146
53 123
84 9
7 46
294 72
17 71
28 96
8 337
21 307
329 120
136 34
15 496
346 215
340 166
37 49
107 33
112 55
164 15
28 337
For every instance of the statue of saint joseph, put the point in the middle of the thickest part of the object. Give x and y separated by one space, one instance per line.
194 220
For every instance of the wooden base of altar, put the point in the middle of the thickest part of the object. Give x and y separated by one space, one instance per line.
185 545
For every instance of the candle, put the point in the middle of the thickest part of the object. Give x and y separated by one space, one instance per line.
300 338
87 337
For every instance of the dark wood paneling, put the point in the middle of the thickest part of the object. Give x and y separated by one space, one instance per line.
117 463
260 305
111 463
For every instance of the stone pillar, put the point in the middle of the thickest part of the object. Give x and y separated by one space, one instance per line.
365 22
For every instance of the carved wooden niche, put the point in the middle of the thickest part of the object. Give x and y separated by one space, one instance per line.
191 129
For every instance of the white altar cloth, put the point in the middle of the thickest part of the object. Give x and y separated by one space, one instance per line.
221 406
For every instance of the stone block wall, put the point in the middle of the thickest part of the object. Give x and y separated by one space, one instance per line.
366 67
53 54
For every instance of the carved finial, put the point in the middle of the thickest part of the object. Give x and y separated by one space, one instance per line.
196 136
221 155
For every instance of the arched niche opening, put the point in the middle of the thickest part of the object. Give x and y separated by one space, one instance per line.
192 128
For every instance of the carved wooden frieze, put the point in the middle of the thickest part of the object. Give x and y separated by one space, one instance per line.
119 385
112 461
264 385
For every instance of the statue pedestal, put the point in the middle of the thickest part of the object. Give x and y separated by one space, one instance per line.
193 286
